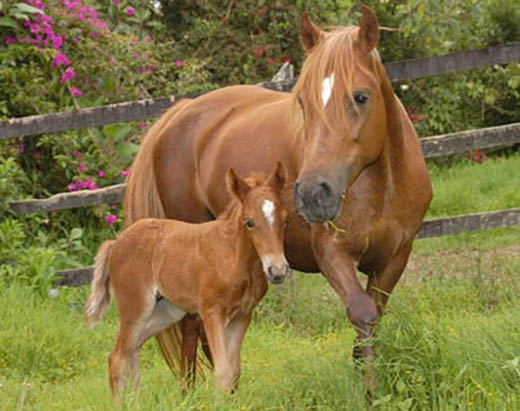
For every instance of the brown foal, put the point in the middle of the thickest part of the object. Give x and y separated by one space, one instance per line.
160 270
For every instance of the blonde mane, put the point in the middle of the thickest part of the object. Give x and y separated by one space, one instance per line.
335 53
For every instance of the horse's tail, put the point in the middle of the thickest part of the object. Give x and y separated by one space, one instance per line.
99 299
141 196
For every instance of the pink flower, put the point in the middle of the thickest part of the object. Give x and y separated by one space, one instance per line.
101 174
147 38
76 154
60 59
75 92
72 187
82 166
123 173
9 40
133 40
142 124
113 207
69 74
178 63
137 55
130 11
111 219
116 2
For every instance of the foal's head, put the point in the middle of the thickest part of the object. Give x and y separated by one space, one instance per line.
339 109
263 216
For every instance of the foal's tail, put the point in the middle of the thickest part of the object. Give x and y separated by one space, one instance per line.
141 196
99 299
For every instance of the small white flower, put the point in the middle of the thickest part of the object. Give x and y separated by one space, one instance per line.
53 293
405 87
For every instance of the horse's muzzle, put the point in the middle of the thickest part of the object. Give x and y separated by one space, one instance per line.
277 274
316 199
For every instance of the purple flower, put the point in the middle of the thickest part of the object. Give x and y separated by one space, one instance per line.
101 174
178 63
75 92
76 154
71 4
142 124
130 11
69 74
60 59
9 40
111 219
72 187
82 166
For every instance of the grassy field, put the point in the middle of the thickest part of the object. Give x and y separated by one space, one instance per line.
450 339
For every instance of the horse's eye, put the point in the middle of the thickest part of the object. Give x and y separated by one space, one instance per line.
360 98
250 223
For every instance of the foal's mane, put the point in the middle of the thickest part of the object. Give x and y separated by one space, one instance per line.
234 207
335 53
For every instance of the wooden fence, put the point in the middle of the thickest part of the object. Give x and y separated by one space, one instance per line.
448 144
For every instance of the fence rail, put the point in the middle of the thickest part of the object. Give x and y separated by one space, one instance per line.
144 109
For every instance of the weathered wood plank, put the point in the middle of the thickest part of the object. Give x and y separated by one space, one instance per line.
112 194
432 228
462 60
460 142
469 222
75 277
145 109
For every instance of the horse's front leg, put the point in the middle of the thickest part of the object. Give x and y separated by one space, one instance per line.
235 332
340 269
214 325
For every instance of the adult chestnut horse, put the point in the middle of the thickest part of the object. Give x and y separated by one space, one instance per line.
360 187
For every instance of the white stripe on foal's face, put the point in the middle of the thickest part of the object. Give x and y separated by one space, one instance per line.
268 210
326 88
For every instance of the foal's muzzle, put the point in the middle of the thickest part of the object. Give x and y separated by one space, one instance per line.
317 199
276 274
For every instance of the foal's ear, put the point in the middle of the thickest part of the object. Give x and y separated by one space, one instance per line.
368 35
278 177
236 185
310 33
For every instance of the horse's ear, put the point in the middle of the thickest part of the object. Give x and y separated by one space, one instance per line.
368 29
309 31
236 185
278 177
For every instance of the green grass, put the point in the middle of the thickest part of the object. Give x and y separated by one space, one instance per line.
449 341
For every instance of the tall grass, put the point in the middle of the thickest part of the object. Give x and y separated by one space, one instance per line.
447 342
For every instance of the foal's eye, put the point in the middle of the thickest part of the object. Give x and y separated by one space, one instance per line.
250 223
360 98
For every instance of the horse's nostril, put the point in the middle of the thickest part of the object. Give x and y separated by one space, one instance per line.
270 270
325 187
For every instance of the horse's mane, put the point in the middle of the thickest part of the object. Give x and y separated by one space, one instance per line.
335 53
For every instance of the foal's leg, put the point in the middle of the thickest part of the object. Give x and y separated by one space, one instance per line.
135 313
235 333
213 320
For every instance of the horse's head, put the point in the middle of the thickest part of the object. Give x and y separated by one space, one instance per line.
264 217
339 110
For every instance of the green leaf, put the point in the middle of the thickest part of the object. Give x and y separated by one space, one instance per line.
25 8
126 151
76 233
8 22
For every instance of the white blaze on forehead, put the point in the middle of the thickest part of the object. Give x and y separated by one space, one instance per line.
268 210
326 88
